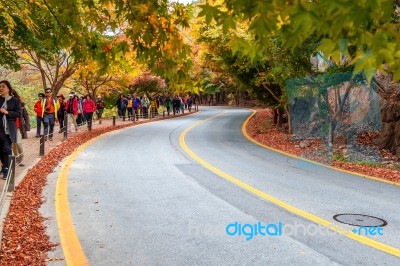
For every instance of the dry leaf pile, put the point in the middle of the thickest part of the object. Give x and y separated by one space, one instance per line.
260 128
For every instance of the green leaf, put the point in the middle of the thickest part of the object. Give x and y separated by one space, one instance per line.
228 23
327 46
343 45
396 75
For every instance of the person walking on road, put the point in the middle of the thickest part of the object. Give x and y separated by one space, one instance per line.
189 103
10 109
50 108
99 108
61 112
79 119
168 104
129 107
71 107
39 117
136 106
145 105
23 125
176 104
88 109
119 104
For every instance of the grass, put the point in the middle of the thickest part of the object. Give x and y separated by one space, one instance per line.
339 157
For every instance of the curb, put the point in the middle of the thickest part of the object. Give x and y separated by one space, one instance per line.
247 136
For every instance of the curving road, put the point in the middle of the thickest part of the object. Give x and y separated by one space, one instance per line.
163 194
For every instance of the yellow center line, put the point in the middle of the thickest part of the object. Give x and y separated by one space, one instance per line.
311 217
71 246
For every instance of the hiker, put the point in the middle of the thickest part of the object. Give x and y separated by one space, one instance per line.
136 106
190 103
71 107
145 105
61 112
23 124
39 118
50 108
129 107
99 108
88 109
10 109
168 104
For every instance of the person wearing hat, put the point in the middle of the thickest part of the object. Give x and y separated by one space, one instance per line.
99 108
71 107
50 106
39 117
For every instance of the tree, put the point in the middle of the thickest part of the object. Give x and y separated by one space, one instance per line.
54 72
92 30
264 75
367 32
148 84
92 78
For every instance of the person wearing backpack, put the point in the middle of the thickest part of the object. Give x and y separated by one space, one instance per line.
39 118
71 107
23 125
136 106
88 107
145 105
10 109
168 104
99 108
50 107
129 107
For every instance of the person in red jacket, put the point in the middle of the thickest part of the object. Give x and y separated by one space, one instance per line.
88 106
71 108
39 111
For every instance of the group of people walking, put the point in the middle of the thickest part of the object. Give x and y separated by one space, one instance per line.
15 122
144 106
51 109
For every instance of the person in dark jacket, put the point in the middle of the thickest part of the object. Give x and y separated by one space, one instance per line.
176 104
61 112
120 105
168 104
23 125
189 103
10 109
99 108
137 104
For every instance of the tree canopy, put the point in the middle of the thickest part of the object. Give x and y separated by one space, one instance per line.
367 32
211 46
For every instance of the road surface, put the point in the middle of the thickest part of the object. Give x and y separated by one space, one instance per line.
166 193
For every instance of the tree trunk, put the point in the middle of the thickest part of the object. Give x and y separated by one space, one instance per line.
279 120
330 140
289 120
44 83
275 116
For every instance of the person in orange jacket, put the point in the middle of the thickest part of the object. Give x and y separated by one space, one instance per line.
50 106
39 114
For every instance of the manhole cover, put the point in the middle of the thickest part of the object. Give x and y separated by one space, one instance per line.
359 220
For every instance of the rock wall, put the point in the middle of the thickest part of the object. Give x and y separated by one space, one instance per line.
389 138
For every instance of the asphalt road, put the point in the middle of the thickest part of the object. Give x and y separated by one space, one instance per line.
137 197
